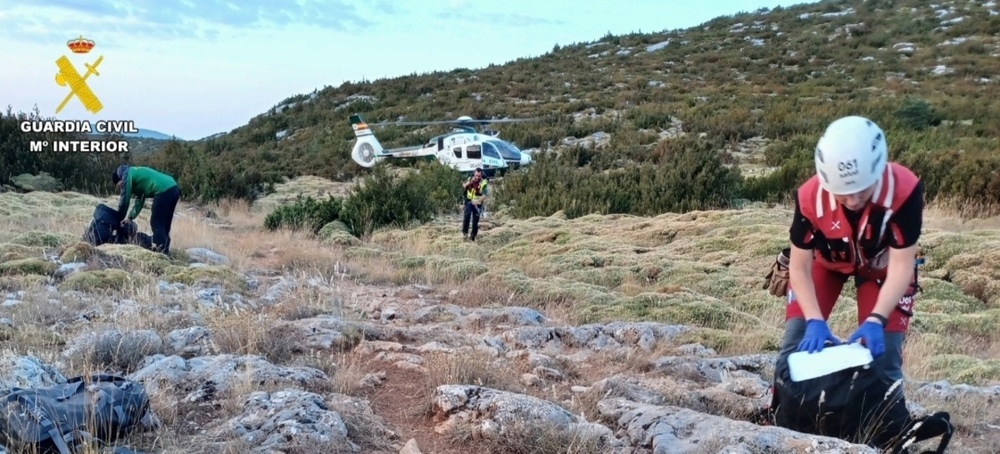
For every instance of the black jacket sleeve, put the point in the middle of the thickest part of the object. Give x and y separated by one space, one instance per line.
905 225
801 231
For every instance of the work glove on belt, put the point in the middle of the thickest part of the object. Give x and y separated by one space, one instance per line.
776 281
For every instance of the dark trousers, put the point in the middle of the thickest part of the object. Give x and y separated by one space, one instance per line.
162 217
471 214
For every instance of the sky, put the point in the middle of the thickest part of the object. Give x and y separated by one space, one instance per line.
193 68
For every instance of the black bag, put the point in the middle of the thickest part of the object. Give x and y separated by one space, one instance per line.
106 228
143 240
130 234
103 227
855 405
56 419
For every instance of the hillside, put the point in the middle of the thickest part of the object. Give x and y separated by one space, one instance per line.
750 91
592 320
757 86
140 146
149 134
145 141
603 334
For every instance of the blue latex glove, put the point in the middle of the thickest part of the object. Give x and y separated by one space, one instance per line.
817 333
873 335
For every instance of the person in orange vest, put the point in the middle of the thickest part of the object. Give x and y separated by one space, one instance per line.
476 190
860 216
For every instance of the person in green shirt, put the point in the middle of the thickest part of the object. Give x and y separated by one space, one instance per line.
142 183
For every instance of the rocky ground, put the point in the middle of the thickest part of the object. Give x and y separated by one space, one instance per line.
606 334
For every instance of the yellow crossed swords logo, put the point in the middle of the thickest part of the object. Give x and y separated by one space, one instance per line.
68 75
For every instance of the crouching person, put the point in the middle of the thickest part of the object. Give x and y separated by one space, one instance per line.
859 217
142 183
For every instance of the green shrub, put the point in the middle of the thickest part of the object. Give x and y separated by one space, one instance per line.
688 174
305 213
385 200
917 113
380 200
49 171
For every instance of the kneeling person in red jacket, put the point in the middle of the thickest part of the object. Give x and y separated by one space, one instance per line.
860 216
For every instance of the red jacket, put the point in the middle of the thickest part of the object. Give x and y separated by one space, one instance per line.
844 250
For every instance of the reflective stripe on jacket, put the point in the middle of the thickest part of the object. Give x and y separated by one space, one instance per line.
845 250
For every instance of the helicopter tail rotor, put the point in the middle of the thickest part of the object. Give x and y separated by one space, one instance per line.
366 151
367 148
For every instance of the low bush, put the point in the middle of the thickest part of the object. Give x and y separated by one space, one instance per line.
685 174
382 199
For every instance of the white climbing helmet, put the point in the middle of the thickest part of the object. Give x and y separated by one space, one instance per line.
851 155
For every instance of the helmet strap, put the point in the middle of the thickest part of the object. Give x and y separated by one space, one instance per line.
878 187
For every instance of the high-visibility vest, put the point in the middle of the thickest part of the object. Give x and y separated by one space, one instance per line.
475 191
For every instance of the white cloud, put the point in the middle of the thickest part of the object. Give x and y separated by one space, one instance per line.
224 81
162 20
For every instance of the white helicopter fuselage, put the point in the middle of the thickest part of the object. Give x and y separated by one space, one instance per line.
463 150
467 152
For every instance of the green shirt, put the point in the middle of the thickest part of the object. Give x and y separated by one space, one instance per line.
142 183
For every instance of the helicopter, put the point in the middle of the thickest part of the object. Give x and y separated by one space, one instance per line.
463 148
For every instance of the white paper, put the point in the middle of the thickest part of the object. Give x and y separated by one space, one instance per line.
804 365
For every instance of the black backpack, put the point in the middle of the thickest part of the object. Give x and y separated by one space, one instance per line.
56 419
130 234
855 405
103 227
106 228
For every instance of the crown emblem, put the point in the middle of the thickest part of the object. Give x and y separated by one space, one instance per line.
80 45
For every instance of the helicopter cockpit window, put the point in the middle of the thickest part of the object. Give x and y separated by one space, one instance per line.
490 151
473 152
508 151
458 152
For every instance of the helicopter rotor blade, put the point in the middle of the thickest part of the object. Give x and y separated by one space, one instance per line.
419 123
506 120
461 122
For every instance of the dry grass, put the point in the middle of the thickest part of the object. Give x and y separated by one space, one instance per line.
45 329
702 269
523 438
305 186
471 367
481 368
962 217
698 269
